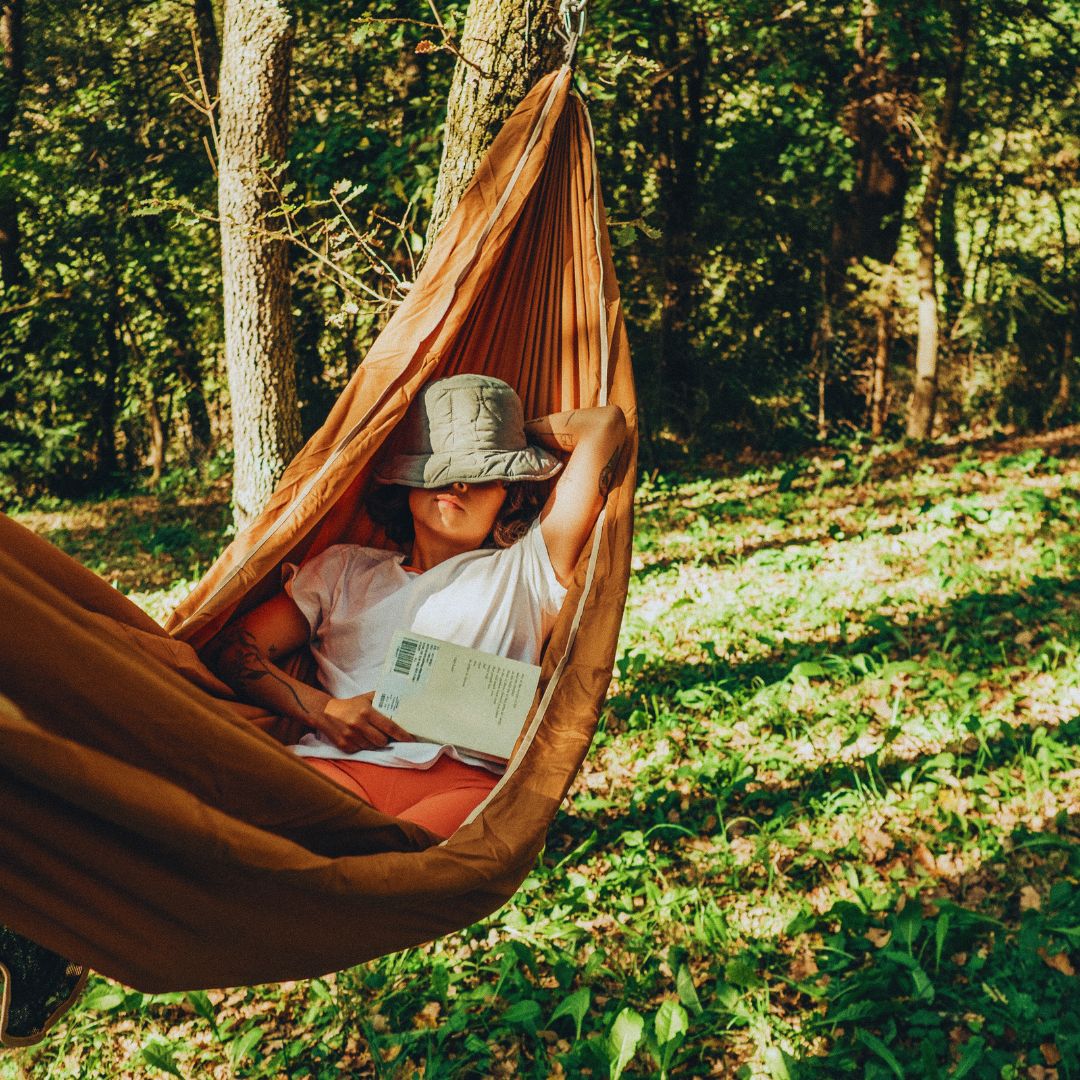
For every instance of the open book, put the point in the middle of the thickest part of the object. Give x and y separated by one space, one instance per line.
446 693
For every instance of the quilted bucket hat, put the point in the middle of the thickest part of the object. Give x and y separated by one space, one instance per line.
466 428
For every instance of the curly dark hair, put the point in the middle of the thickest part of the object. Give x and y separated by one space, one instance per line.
388 505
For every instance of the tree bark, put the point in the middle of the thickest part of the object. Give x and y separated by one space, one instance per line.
879 379
821 352
159 439
259 352
951 266
920 422
867 221
882 96
508 45
206 37
1060 403
678 103
12 77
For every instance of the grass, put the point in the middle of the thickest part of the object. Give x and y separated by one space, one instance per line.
829 826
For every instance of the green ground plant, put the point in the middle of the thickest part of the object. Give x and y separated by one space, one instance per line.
829 826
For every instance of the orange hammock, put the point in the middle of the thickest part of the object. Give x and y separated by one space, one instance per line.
153 833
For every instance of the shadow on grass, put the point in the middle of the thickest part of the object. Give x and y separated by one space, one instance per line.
984 641
985 627
141 542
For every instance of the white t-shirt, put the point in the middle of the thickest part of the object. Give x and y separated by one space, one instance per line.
355 599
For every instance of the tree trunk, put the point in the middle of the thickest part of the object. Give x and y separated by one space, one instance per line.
882 94
920 422
12 76
188 363
206 37
879 378
107 466
508 45
867 221
821 352
678 100
1060 403
159 439
951 266
255 270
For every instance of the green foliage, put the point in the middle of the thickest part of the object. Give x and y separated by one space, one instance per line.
935 966
727 150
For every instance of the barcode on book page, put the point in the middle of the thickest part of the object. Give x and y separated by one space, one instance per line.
406 654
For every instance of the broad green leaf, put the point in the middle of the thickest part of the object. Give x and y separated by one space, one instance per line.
623 1040
103 998
972 1055
575 1005
203 1007
941 930
688 995
526 1013
161 1055
670 1026
872 1042
808 669
671 1022
776 1063
242 1046
924 988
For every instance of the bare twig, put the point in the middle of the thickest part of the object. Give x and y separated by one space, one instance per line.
197 95
447 42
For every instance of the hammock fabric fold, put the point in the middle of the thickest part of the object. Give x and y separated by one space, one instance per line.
153 828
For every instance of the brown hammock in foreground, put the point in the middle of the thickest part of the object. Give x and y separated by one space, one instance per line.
153 833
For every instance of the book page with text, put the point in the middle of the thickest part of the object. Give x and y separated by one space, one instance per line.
447 693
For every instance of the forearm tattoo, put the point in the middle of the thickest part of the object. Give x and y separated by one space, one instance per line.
607 473
240 663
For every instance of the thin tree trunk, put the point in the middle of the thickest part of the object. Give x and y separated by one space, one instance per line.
259 351
186 358
920 422
206 36
508 45
879 381
868 219
12 77
679 101
952 268
821 350
159 438
107 465
1060 403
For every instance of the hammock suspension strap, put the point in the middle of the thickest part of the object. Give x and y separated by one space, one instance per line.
572 16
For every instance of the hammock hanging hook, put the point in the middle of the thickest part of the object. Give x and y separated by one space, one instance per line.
572 17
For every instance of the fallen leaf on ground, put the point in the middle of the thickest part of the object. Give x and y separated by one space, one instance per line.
1058 961
1050 1051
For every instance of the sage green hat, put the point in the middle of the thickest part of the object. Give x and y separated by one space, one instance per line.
468 429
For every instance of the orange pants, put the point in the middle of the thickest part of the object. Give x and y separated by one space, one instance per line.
439 798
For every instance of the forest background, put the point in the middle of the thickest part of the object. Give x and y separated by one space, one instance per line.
800 194
829 823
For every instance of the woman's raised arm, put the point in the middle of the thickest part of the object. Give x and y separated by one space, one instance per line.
594 438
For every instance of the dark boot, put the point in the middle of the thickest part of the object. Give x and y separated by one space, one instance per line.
38 987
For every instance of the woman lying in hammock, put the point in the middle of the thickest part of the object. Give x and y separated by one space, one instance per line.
479 569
